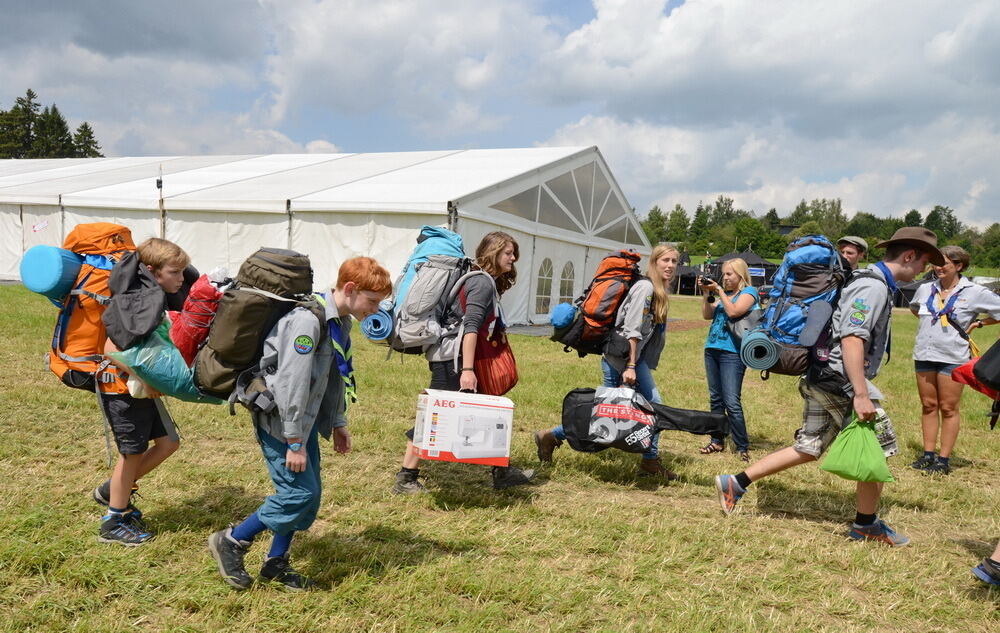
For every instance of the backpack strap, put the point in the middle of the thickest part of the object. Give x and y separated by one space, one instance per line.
460 286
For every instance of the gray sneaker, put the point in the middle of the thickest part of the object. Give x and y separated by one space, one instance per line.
510 476
407 484
228 554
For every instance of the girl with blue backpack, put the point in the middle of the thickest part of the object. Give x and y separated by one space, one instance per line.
724 369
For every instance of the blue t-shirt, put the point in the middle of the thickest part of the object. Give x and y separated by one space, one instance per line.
718 334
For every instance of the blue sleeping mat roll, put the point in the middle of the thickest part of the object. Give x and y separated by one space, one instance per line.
50 271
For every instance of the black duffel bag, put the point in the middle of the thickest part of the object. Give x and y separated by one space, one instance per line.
987 369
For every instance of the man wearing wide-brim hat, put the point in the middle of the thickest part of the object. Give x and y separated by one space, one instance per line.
859 338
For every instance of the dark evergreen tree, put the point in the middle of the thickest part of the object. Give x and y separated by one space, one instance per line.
771 221
17 126
913 218
52 137
699 225
85 144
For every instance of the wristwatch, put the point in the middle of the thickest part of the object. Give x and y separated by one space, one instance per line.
295 447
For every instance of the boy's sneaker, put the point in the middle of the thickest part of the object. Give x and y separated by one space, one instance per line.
102 495
938 468
730 492
123 529
510 476
280 570
407 484
924 462
878 531
988 571
228 554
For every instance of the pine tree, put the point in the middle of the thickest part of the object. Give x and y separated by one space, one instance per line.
699 225
655 225
52 137
17 126
677 224
913 218
85 144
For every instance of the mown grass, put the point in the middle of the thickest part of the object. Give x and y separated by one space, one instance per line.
590 548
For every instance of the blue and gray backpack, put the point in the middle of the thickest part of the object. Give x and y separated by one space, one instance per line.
795 326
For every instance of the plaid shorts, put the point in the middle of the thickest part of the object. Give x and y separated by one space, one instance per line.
824 414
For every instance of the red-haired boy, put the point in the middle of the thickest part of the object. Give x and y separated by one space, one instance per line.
307 367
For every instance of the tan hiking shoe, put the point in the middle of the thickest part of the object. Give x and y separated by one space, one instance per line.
546 442
654 467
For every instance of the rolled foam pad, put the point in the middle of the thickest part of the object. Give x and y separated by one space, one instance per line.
562 315
50 271
759 351
378 326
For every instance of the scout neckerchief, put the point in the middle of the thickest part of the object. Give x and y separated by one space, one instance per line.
942 309
343 354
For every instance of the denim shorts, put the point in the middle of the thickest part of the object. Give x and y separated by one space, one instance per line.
932 365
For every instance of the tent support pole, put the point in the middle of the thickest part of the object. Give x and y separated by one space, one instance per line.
452 217
288 210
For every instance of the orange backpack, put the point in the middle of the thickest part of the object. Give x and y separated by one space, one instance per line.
77 354
598 307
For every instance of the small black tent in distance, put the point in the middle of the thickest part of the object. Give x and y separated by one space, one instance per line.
755 262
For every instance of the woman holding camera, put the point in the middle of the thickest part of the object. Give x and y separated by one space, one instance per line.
723 367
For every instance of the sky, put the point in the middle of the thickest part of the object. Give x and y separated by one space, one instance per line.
888 105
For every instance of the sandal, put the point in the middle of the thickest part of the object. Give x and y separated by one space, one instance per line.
712 447
745 456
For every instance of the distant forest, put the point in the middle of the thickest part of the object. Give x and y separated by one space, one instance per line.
720 228
29 131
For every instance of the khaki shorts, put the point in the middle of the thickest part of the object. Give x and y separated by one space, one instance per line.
823 416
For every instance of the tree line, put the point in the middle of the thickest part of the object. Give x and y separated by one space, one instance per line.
29 131
720 228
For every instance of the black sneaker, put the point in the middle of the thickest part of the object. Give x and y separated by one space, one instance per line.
123 529
228 554
102 495
924 462
510 476
938 468
280 570
407 484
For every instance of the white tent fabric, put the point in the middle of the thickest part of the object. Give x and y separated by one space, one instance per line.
561 204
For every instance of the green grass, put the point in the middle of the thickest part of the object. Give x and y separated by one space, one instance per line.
590 548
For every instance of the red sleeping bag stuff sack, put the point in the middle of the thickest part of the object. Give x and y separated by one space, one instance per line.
964 374
189 327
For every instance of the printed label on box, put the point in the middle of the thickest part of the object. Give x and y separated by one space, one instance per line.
463 427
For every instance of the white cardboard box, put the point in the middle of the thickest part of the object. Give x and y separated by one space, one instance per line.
471 428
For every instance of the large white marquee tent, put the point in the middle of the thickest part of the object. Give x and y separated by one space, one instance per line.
561 204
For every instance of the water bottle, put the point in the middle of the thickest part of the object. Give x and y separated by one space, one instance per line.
885 433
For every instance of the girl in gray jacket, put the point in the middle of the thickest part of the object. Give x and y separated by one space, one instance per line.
633 350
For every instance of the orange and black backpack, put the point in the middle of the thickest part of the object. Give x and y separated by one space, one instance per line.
597 307
77 350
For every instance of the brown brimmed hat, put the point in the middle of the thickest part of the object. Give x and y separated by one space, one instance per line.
919 238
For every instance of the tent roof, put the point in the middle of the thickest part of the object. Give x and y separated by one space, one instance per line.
398 181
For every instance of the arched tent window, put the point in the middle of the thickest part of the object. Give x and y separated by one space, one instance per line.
566 283
543 297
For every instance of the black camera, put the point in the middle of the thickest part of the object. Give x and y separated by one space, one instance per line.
708 280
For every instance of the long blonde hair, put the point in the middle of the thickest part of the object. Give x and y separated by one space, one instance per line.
742 271
488 254
661 298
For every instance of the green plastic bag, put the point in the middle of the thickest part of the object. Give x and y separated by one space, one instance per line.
856 454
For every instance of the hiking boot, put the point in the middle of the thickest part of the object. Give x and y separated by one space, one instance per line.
655 468
510 476
988 571
730 492
878 531
546 441
924 462
102 495
278 569
407 484
228 554
938 468
123 529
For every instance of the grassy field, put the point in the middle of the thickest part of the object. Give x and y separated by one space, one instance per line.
590 548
